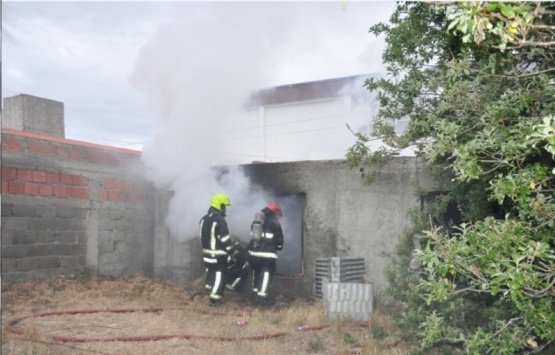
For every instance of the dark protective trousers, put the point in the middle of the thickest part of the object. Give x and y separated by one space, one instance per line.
236 276
215 280
262 273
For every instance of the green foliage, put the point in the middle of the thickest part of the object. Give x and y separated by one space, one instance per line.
477 80
349 339
360 154
378 332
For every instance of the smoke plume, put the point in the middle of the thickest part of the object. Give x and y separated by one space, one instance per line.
198 70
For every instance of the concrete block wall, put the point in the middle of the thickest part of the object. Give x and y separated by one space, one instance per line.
179 262
70 207
344 216
34 114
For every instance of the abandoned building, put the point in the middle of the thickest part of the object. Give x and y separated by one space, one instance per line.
70 206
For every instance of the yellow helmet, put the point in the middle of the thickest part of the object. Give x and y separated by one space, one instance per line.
219 201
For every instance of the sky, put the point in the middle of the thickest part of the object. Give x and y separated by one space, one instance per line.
87 54
161 77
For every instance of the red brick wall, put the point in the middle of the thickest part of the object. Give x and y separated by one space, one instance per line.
121 190
43 183
63 185
70 206
48 146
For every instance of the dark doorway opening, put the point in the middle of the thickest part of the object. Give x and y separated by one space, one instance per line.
290 259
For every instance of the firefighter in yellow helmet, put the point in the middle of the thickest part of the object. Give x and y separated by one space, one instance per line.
216 246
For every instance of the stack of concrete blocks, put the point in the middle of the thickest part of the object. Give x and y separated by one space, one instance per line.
338 269
346 300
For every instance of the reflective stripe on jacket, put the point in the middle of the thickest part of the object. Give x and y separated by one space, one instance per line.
214 235
271 241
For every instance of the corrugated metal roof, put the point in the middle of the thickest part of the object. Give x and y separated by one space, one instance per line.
308 91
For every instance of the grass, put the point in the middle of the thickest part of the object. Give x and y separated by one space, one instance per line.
184 316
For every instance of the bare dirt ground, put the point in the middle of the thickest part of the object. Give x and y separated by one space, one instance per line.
137 315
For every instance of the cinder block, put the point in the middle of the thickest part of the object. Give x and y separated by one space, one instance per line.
39 224
26 237
6 210
34 114
348 300
66 237
106 225
23 210
38 263
66 212
106 248
71 261
59 224
14 251
45 210
78 249
8 265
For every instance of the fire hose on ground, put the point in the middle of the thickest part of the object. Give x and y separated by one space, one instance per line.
66 339
11 327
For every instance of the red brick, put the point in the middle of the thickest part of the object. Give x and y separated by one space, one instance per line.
9 173
39 176
45 190
59 191
103 194
78 180
113 195
114 161
62 152
4 186
66 179
124 196
78 192
119 184
11 144
52 178
136 196
25 174
31 189
76 153
42 148
15 187
108 183
97 157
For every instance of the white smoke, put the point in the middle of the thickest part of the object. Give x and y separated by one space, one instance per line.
198 70
199 67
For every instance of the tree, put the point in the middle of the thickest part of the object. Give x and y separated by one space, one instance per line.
478 83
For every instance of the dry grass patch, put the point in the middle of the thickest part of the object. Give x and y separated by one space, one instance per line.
163 319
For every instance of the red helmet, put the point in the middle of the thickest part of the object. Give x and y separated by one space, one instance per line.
275 207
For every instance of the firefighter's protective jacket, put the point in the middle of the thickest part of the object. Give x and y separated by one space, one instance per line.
214 234
272 240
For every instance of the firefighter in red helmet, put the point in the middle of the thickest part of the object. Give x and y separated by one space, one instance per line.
266 240
216 246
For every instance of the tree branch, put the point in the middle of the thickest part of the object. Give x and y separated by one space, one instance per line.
513 76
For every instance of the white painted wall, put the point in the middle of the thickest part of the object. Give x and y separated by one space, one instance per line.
310 130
